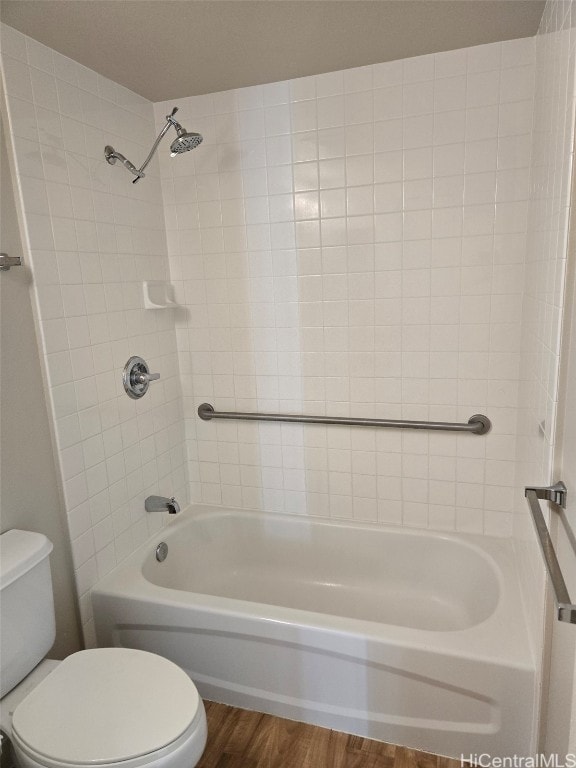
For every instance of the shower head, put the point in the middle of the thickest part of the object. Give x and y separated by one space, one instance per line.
185 140
183 143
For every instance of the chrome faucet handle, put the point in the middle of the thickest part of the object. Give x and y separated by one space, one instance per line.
144 378
137 377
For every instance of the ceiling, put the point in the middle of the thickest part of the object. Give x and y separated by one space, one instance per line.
167 49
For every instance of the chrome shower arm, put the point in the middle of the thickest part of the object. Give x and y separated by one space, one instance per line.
112 155
154 148
183 143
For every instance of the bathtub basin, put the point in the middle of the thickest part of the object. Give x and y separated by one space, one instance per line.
411 637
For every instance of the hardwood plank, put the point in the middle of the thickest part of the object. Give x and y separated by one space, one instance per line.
369 746
338 754
223 728
411 758
239 738
279 743
318 749
235 761
449 762
245 724
298 751
344 751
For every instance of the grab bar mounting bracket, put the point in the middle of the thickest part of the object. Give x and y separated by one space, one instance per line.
556 493
9 261
567 614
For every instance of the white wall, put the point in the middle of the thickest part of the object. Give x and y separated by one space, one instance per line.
25 436
544 289
92 239
560 725
353 244
557 42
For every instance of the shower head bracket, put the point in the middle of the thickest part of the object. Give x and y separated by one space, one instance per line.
110 154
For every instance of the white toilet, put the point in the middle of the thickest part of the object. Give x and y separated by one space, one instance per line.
106 707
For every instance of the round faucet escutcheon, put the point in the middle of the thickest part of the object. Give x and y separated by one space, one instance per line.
136 377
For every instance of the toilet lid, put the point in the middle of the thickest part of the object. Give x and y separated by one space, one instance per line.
106 705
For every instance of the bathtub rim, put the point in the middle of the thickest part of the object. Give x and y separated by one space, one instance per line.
127 580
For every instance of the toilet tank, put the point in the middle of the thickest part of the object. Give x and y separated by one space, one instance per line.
27 623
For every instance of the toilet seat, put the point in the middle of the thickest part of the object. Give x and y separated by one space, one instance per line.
105 706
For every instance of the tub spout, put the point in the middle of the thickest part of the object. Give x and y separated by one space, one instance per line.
161 504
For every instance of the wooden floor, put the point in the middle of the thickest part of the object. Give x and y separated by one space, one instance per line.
238 738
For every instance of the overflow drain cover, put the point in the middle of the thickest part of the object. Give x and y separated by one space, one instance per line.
161 551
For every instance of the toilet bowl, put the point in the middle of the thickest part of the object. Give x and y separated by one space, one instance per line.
111 706
104 707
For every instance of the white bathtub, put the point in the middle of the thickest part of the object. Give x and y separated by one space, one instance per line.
415 638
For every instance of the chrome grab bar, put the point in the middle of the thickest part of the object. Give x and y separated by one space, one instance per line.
477 424
566 610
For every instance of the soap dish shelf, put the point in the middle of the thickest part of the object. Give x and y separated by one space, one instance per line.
158 295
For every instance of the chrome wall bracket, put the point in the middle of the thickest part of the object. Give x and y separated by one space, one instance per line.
136 377
9 261
556 493
565 608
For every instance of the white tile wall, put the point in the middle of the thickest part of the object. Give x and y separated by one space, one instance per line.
551 174
353 244
93 237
